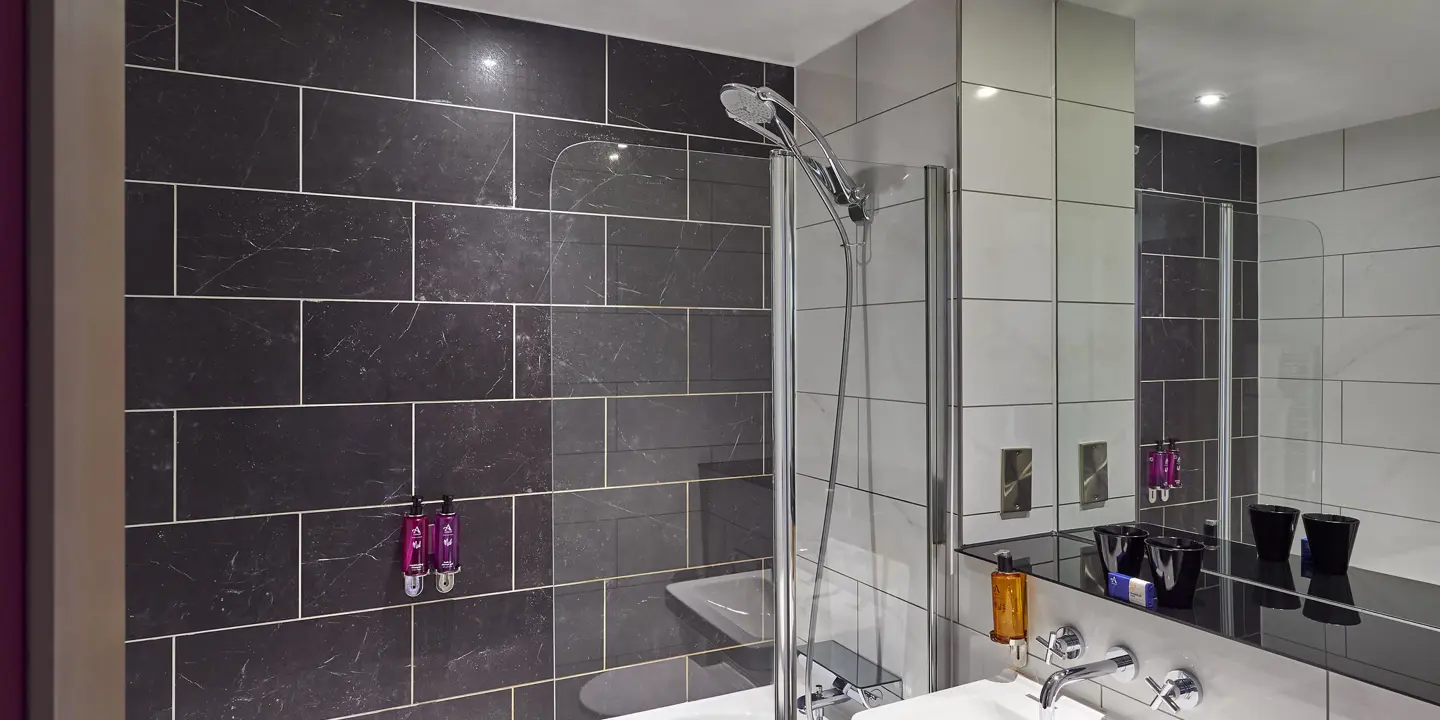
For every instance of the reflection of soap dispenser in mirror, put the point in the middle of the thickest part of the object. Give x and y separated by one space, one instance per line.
1172 470
1155 470
1007 590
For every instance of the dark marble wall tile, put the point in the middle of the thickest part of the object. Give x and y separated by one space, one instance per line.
254 461
1192 287
488 61
489 706
150 33
1190 517
202 576
1248 164
729 188
1212 348
468 646
579 628
535 702
306 670
570 166
149 239
781 79
534 540
1152 286
1172 226
1202 166
1152 415
1246 287
609 533
261 244
659 262
1247 348
1171 349
653 685
1193 474
728 671
729 351
1191 409
205 353
500 255
360 45
676 89
1247 235
578 452
682 438
351 558
363 352
1245 407
731 520
210 131
358 145
474 449
149 467
613 351
147 680
645 622
1147 158
717 146
1245 468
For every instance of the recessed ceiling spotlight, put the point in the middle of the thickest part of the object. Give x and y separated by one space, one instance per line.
985 92
614 157
489 62
1210 99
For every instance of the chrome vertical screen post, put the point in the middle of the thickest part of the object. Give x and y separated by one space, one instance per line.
1227 370
783 167
937 400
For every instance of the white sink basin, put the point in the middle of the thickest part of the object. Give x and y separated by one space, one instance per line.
1006 697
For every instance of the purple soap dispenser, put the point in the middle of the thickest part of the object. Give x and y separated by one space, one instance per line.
447 545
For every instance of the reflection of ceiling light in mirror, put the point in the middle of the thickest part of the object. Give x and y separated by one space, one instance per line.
1210 99
622 146
489 62
985 92
614 156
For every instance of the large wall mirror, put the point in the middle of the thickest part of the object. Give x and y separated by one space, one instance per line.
1246 221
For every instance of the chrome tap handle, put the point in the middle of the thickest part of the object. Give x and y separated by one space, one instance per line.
1181 691
1065 642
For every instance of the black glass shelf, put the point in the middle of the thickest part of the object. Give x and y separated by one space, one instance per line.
848 664
1311 628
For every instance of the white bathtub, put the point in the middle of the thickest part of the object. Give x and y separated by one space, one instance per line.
753 704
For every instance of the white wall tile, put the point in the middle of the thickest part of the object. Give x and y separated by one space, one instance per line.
1303 166
1006 143
1395 150
994 526
1008 44
1396 545
1095 155
839 617
879 541
1006 247
887 359
1292 409
1096 249
1285 238
1110 422
1393 349
1393 415
1332 405
1117 509
985 432
1007 353
1119 706
906 54
918 133
1380 218
1334 286
1292 288
1291 348
825 88
882 444
1351 699
888 185
1096 352
1291 469
1393 283
895 635
1095 57
1405 479
890 268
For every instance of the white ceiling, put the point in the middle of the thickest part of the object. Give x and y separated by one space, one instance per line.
780 31
1289 67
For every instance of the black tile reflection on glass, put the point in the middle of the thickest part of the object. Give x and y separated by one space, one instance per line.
149 467
262 244
352 557
579 628
622 531
147 680
1245 456
472 254
1191 408
1152 413
563 165
730 520
201 576
1190 517
1171 349
660 262
670 88
1247 348
1152 286
1248 179
475 449
210 131
470 58
359 45
515 630
578 451
1247 290
684 438
1147 158
729 188
486 706
379 147
1212 348
649 686
378 352
535 702
1246 408
647 618
1202 166
781 79
149 239
534 531
718 146
1192 477
267 460
1247 235
150 33
584 352
729 671
183 352
1192 287
307 670
729 351
1172 226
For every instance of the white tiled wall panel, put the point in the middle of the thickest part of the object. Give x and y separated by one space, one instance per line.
1095 156
1095 247
1393 283
1292 288
985 431
1354 700
1292 409
1394 415
1396 545
1291 348
1396 482
909 53
1007 353
1383 349
1005 147
1291 469
1096 352
1303 166
1392 151
1008 44
1007 248
886 360
882 444
1095 57
879 541
1390 217
825 88
921 132
1110 422
891 269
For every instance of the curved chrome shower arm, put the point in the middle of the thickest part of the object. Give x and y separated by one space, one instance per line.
854 196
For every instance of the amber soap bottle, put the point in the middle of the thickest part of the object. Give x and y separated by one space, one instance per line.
1007 591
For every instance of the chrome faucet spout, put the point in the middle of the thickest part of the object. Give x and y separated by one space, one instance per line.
1118 662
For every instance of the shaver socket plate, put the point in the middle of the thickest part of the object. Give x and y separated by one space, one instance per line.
1094 473
1016 472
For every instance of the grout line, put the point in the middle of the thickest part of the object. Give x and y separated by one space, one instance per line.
414 71
176 22
605 442
174 238
299 566
301 400
414 281
465 402
174 650
605 259
515 351
606 119
687 351
300 143
174 465
414 469
476 303
514 542
412 654
514 160
687 524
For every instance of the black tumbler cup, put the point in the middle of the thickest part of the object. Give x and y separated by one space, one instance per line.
1176 563
1122 548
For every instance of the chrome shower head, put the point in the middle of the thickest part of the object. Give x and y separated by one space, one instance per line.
743 103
